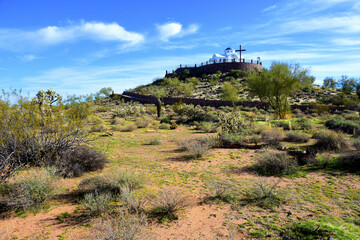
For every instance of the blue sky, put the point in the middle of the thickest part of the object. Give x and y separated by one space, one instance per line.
80 46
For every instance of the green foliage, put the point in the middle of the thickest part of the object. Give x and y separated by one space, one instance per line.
237 73
346 126
347 85
207 127
229 92
103 93
330 82
329 140
29 190
349 161
295 136
33 134
274 86
165 120
271 163
196 147
112 182
96 203
232 123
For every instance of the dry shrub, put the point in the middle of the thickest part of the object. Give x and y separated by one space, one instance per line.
329 140
154 141
271 163
272 136
74 162
295 136
264 195
218 189
164 126
134 203
98 128
196 147
122 225
168 203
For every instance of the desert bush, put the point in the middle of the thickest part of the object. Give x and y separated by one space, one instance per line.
272 136
356 144
96 203
346 126
306 230
118 121
98 128
164 126
285 124
218 189
74 162
129 109
154 141
173 126
271 163
349 161
129 128
141 122
33 132
264 195
231 140
122 225
196 147
168 203
93 119
237 73
295 136
165 120
29 190
302 124
329 140
207 127
112 182
134 204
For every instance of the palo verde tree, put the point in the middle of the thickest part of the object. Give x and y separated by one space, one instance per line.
274 86
229 93
158 93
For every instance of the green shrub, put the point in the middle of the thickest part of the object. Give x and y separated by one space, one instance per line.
272 163
309 229
349 161
218 189
294 136
111 182
173 126
272 136
129 128
329 140
207 127
343 125
29 190
96 203
164 126
165 120
118 121
142 122
98 128
231 140
237 73
168 203
154 141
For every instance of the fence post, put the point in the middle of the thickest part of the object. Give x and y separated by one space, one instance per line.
206 62
180 65
252 61
243 60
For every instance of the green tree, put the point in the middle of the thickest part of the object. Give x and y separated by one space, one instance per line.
273 86
347 84
158 93
229 93
330 82
103 93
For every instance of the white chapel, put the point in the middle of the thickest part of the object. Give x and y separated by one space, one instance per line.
229 56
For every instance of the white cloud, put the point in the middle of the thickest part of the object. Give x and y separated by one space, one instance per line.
28 58
269 8
174 29
346 24
13 39
346 42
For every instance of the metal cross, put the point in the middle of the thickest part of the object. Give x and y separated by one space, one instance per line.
240 50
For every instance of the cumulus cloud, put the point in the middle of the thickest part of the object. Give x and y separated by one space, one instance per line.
51 35
174 29
28 58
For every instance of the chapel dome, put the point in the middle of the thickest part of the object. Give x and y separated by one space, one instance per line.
229 48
